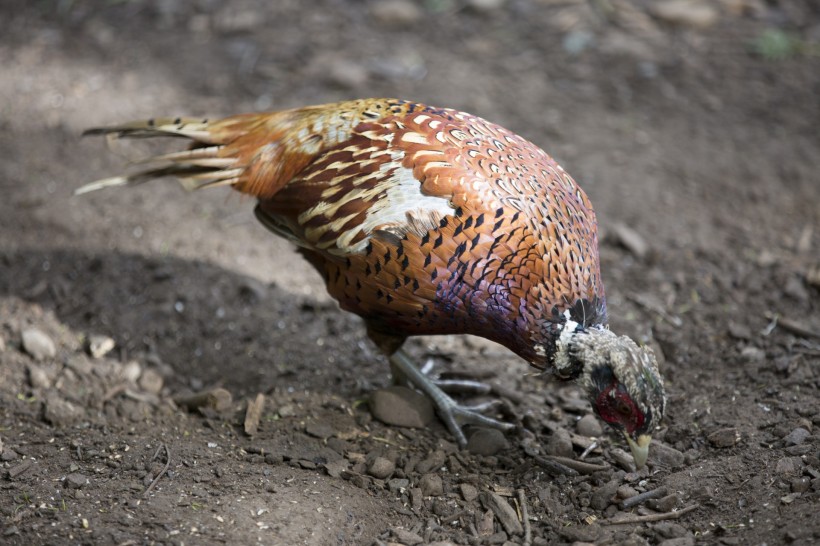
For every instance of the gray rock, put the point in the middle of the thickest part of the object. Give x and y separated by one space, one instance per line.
788 466
681 541
75 480
798 485
381 468
629 239
398 485
60 412
38 345
468 492
487 441
406 537
796 437
401 407
320 430
433 462
151 381
431 485
38 378
668 529
589 425
664 455
667 503
560 444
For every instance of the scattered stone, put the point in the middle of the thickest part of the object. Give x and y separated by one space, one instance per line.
468 492
433 462
626 492
668 529
725 437
580 533
503 511
602 497
75 480
486 5
307 465
381 468
665 456
60 412
431 485
38 345
38 378
416 498
796 437
99 346
9 455
320 430
396 12
629 239
788 466
681 541
753 355
487 441
131 371
588 425
334 469
398 485
151 381
560 444
623 459
691 13
667 503
407 537
20 469
401 407
218 399
288 410
800 485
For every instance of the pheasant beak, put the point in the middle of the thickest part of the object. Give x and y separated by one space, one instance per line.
640 449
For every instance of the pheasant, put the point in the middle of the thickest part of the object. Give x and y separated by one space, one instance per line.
428 220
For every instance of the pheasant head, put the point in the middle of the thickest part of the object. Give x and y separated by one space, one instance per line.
620 378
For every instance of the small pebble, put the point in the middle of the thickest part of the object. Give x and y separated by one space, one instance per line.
487 441
431 485
668 529
796 437
381 468
151 381
131 371
38 345
800 485
320 430
433 462
407 537
398 485
401 407
665 455
588 425
99 346
38 378
75 480
396 12
667 503
468 492
560 444
725 437
788 466
60 412
681 541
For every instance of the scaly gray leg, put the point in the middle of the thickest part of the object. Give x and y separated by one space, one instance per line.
454 415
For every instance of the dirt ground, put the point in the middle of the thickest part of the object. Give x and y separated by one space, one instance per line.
695 135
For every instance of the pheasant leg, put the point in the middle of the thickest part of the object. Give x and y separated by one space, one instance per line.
453 414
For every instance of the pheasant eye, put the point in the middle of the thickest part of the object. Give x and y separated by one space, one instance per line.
617 408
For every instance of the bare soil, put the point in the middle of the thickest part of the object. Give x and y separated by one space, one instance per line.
697 141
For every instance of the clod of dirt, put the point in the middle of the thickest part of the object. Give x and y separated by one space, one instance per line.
381 468
60 412
335 468
38 344
588 425
602 497
725 437
218 400
406 537
788 466
401 407
434 460
320 430
431 485
487 441
560 444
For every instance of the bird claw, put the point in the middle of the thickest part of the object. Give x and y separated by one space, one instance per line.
451 413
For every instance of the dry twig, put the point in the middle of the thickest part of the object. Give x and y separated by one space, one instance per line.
650 517
643 497
161 472
525 517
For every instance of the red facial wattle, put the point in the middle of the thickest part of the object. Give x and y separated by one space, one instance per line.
616 407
